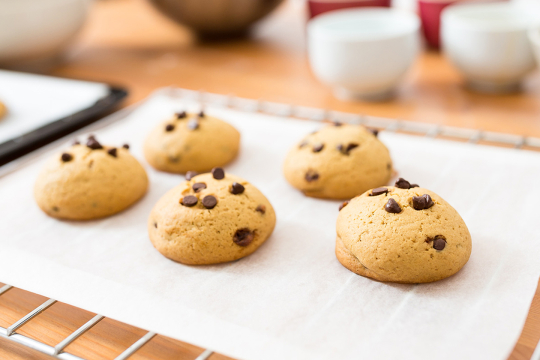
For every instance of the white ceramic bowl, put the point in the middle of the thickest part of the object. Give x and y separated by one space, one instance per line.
364 52
488 44
35 31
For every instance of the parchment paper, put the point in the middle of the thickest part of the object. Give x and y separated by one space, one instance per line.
292 299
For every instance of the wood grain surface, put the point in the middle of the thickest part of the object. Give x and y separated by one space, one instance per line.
127 42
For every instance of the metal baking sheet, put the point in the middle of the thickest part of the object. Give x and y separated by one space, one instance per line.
42 109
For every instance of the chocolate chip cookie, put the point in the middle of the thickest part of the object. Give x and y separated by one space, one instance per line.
211 218
189 141
338 162
401 233
89 181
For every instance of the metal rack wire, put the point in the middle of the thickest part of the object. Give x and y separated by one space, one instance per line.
391 125
58 350
276 109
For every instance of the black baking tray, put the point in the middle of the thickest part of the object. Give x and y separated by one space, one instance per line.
35 139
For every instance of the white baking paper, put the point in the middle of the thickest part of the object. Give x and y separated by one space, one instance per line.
35 100
292 299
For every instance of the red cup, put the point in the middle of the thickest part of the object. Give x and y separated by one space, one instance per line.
430 14
317 7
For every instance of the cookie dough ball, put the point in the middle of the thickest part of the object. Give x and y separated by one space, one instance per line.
195 142
402 233
338 162
212 218
89 182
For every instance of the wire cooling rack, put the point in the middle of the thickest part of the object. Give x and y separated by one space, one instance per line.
58 350
277 109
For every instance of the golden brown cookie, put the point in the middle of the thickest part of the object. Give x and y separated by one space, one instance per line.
402 233
212 218
338 162
195 142
89 182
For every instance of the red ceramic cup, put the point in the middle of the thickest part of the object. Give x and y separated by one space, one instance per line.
317 7
430 14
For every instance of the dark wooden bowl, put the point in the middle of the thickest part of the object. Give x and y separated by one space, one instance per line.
216 18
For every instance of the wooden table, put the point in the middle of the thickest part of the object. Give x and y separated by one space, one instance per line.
128 43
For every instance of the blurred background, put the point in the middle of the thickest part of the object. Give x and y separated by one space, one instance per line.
473 67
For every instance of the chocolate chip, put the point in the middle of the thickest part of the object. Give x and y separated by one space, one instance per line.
155 225
392 206
388 166
201 114
414 185
345 203
429 202
55 208
419 202
403 184
378 191
112 152
318 147
374 132
66 157
345 150
193 124
174 159
126 146
169 127
302 144
311 175
181 115
422 202
198 187
243 237
209 202
351 146
190 175
93 144
236 188
261 209
337 123
218 173
189 200
76 142
439 243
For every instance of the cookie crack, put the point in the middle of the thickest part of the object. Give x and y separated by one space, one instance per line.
357 259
